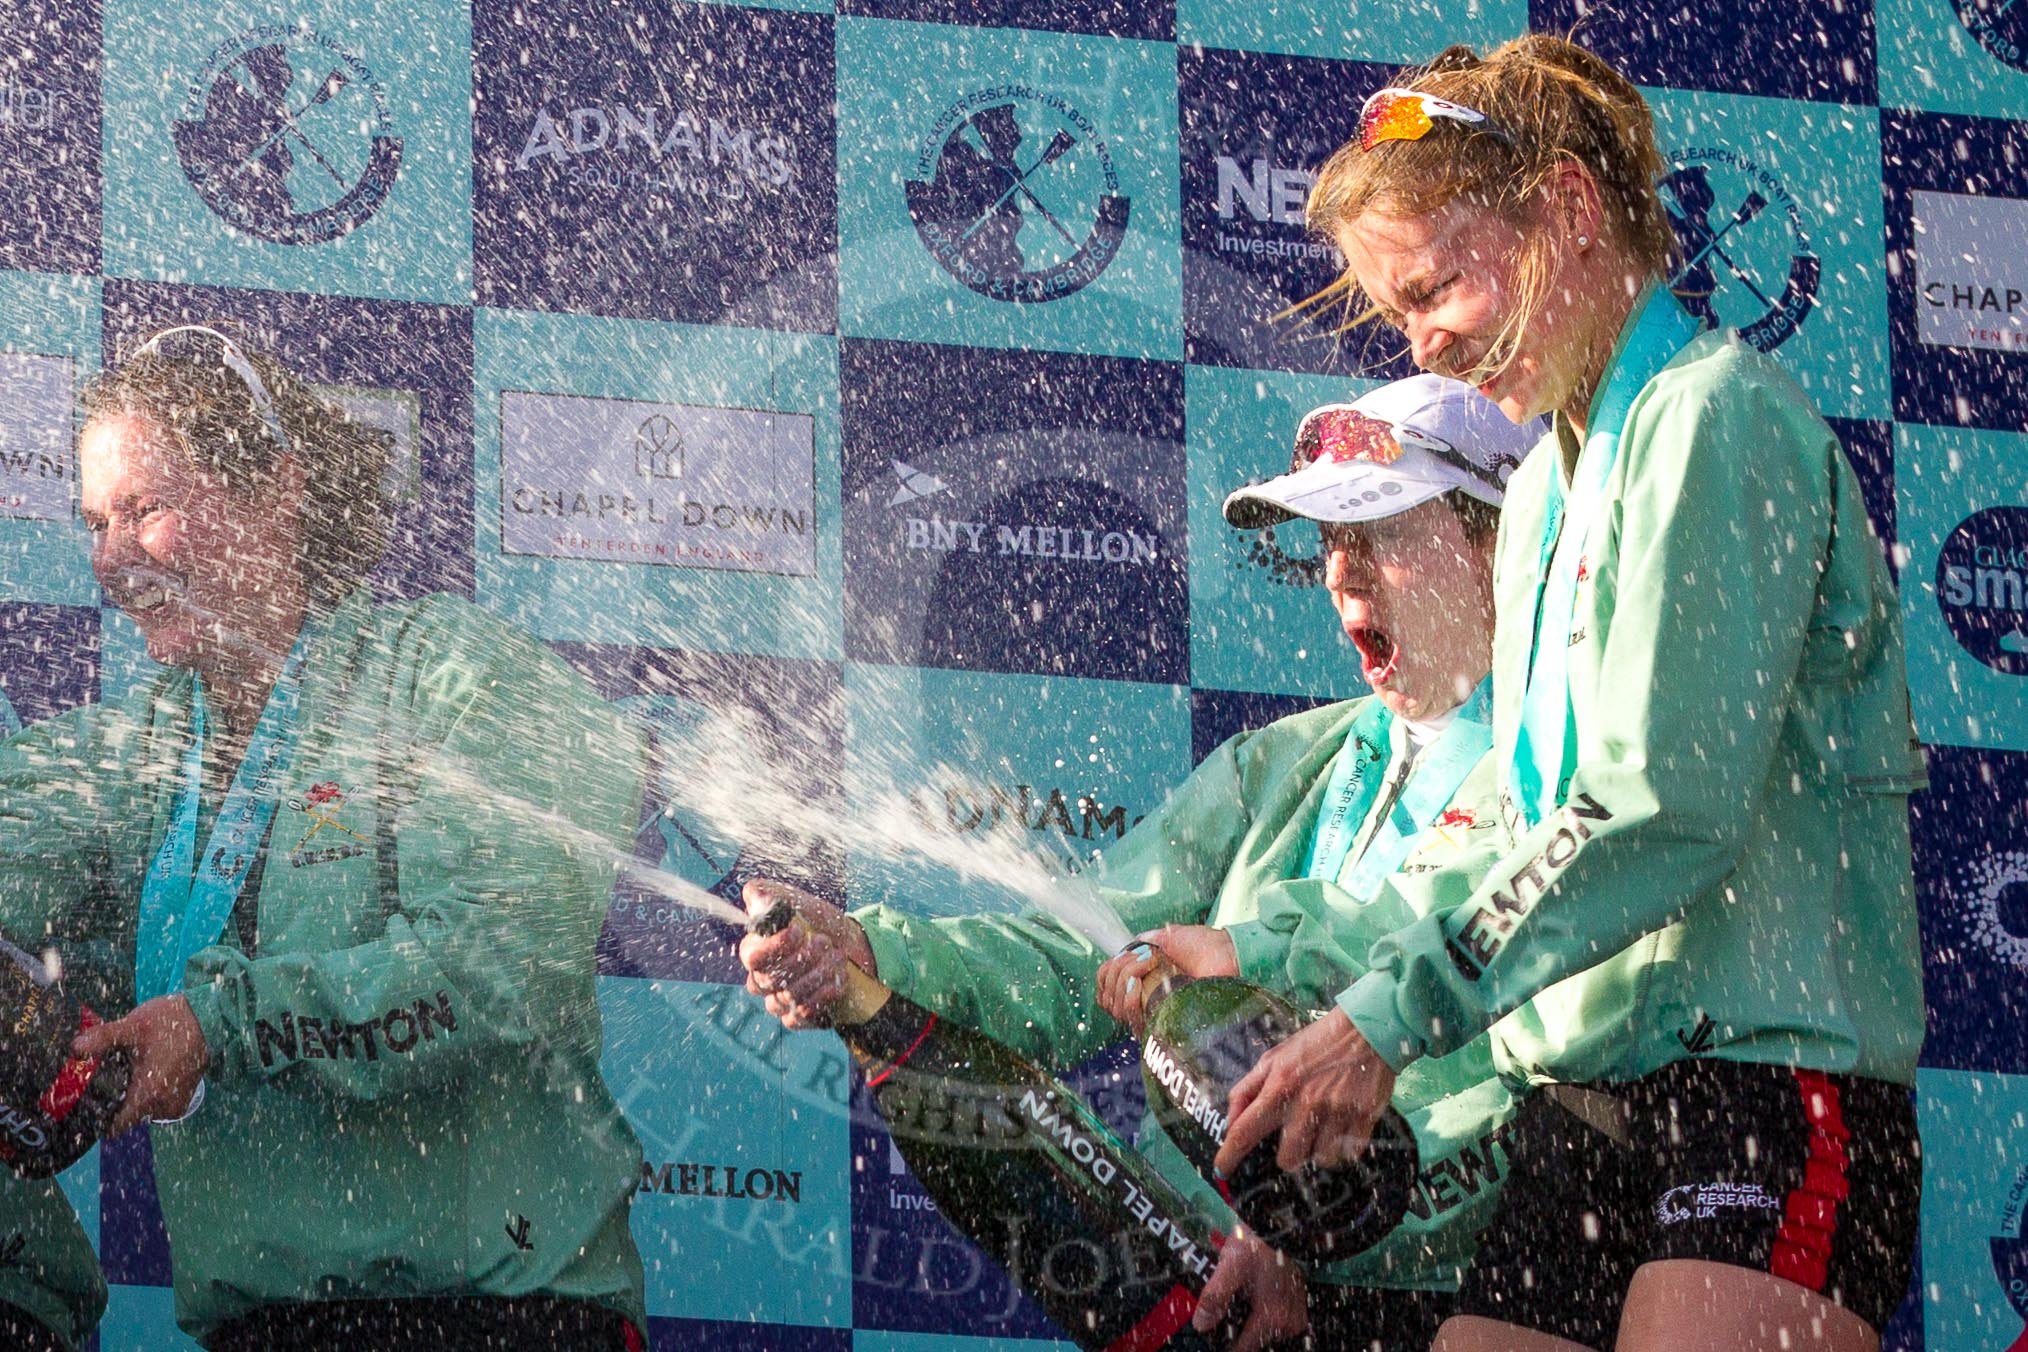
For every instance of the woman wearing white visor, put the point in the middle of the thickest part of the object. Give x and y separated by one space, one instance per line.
1262 862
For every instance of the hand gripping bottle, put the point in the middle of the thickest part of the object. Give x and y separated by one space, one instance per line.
1022 1167
53 1106
1202 1036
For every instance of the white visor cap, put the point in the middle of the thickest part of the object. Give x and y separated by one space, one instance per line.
1389 450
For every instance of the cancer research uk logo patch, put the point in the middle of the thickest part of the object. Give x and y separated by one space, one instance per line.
1745 259
1982 587
287 137
2001 27
1014 194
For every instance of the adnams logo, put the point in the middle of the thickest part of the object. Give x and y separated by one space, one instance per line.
664 151
287 136
1014 193
1745 258
1982 587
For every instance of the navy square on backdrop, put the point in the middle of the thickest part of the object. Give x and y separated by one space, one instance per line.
1015 512
50 136
1255 129
1772 48
1971 869
674 164
1870 448
1936 163
49 660
1217 714
747 756
395 364
1111 18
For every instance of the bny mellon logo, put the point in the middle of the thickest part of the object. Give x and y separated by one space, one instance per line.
914 484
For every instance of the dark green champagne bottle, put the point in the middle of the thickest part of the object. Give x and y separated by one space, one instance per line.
1202 1037
1021 1166
53 1106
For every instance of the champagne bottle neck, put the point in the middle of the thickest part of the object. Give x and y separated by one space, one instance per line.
864 994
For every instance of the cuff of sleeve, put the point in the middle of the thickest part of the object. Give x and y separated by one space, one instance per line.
894 966
206 1003
1261 952
1369 1003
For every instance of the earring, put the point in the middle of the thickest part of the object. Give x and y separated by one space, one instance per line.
1583 240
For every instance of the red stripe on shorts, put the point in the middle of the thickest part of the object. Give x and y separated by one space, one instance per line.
1802 1248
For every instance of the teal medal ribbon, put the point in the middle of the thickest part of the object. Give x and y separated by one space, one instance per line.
1356 782
187 899
1544 753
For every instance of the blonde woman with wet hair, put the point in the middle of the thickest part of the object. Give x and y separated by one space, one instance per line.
1705 915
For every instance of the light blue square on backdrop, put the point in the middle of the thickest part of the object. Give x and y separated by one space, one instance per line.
142 1319
333 149
708 1079
1814 239
1259 617
608 601
1930 60
1404 31
951 773
54 317
1942 477
1025 148
1974 1196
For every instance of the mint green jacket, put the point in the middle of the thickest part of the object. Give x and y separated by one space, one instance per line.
1228 848
47 1266
403 1097
1730 874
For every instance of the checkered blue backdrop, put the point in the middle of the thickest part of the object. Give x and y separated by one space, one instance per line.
952 453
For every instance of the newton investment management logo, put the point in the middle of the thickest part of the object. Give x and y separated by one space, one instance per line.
287 137
1015 195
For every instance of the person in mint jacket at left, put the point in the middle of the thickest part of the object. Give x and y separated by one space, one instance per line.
1264 863
342 865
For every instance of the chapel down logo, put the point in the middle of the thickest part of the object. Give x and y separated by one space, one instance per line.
287 137
2001 27
1982 587
1744 257
1014 193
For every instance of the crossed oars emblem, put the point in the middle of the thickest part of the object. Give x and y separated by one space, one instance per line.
312 805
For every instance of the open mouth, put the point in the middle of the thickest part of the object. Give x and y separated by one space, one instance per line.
1377 654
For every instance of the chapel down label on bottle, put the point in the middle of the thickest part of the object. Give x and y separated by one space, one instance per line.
53 1106
1021 1166
1201 1038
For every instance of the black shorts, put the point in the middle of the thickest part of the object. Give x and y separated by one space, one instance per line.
1373 1319
1812 1177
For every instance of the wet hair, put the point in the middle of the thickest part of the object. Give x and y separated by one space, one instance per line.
1480 519
1554 103
209 414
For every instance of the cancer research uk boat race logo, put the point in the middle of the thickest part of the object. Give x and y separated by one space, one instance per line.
2001 26
287 136
1014 193
1982 587
1745 259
